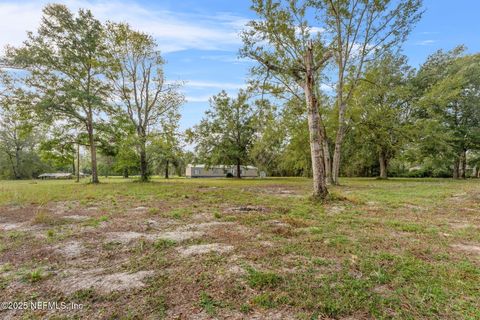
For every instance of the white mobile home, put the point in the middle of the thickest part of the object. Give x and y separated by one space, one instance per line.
219 171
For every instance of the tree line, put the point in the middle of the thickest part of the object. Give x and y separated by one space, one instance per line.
83 82
330 95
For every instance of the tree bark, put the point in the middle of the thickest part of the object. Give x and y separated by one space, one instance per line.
326 156
93 150
239 175
143 165
314 127
74 171
382 159
78 162
166 170
463 164
338 143
17 163
456 168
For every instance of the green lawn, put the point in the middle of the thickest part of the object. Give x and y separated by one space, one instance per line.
218 248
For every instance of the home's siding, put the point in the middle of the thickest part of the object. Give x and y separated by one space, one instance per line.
188 172
217 172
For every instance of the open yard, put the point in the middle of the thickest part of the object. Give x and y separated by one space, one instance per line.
242 249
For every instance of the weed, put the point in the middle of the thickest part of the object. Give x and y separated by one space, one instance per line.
261 280
208 304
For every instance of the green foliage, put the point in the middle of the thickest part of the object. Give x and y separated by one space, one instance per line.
208 304
261 279
66 60
144 98
381 113
227 132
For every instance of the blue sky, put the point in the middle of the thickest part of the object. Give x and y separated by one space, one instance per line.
199 39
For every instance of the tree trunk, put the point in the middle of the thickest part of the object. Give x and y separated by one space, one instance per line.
15 174
463 164
125 173
314 127
326 157
143 165
17 163
338 143
456 168
78 162
93 150
74 171
382 159
239 175
166 170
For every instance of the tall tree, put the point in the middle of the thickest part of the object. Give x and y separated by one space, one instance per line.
268 146
227 132
450 100
67 60
361 30
140 88
291 54
19 137
383 100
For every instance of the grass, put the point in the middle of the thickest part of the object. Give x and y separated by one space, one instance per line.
384 249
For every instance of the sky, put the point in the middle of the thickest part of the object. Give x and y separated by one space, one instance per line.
200 39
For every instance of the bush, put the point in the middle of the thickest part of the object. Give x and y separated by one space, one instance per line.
229 175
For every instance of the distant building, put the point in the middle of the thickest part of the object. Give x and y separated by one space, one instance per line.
219 171
59 175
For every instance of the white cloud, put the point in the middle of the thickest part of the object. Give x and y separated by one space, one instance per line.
425 42
174 31
202 98
327 87
212 84
226 58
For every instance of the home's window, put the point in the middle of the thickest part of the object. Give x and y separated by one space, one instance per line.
196 171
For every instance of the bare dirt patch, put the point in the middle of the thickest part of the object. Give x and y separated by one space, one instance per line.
179 235
334 210
76 217
126 237
280 191
204 248
139 209
460 225
72 249
470 248
129 236
103 283
205 225
11 226
244 209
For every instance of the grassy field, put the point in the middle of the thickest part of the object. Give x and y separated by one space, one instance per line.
201 249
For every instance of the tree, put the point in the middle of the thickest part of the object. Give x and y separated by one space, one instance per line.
60 148
19 137
15 139
67 61
227 132
267 149
361 30
450 99
291 54
140 87
383 100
